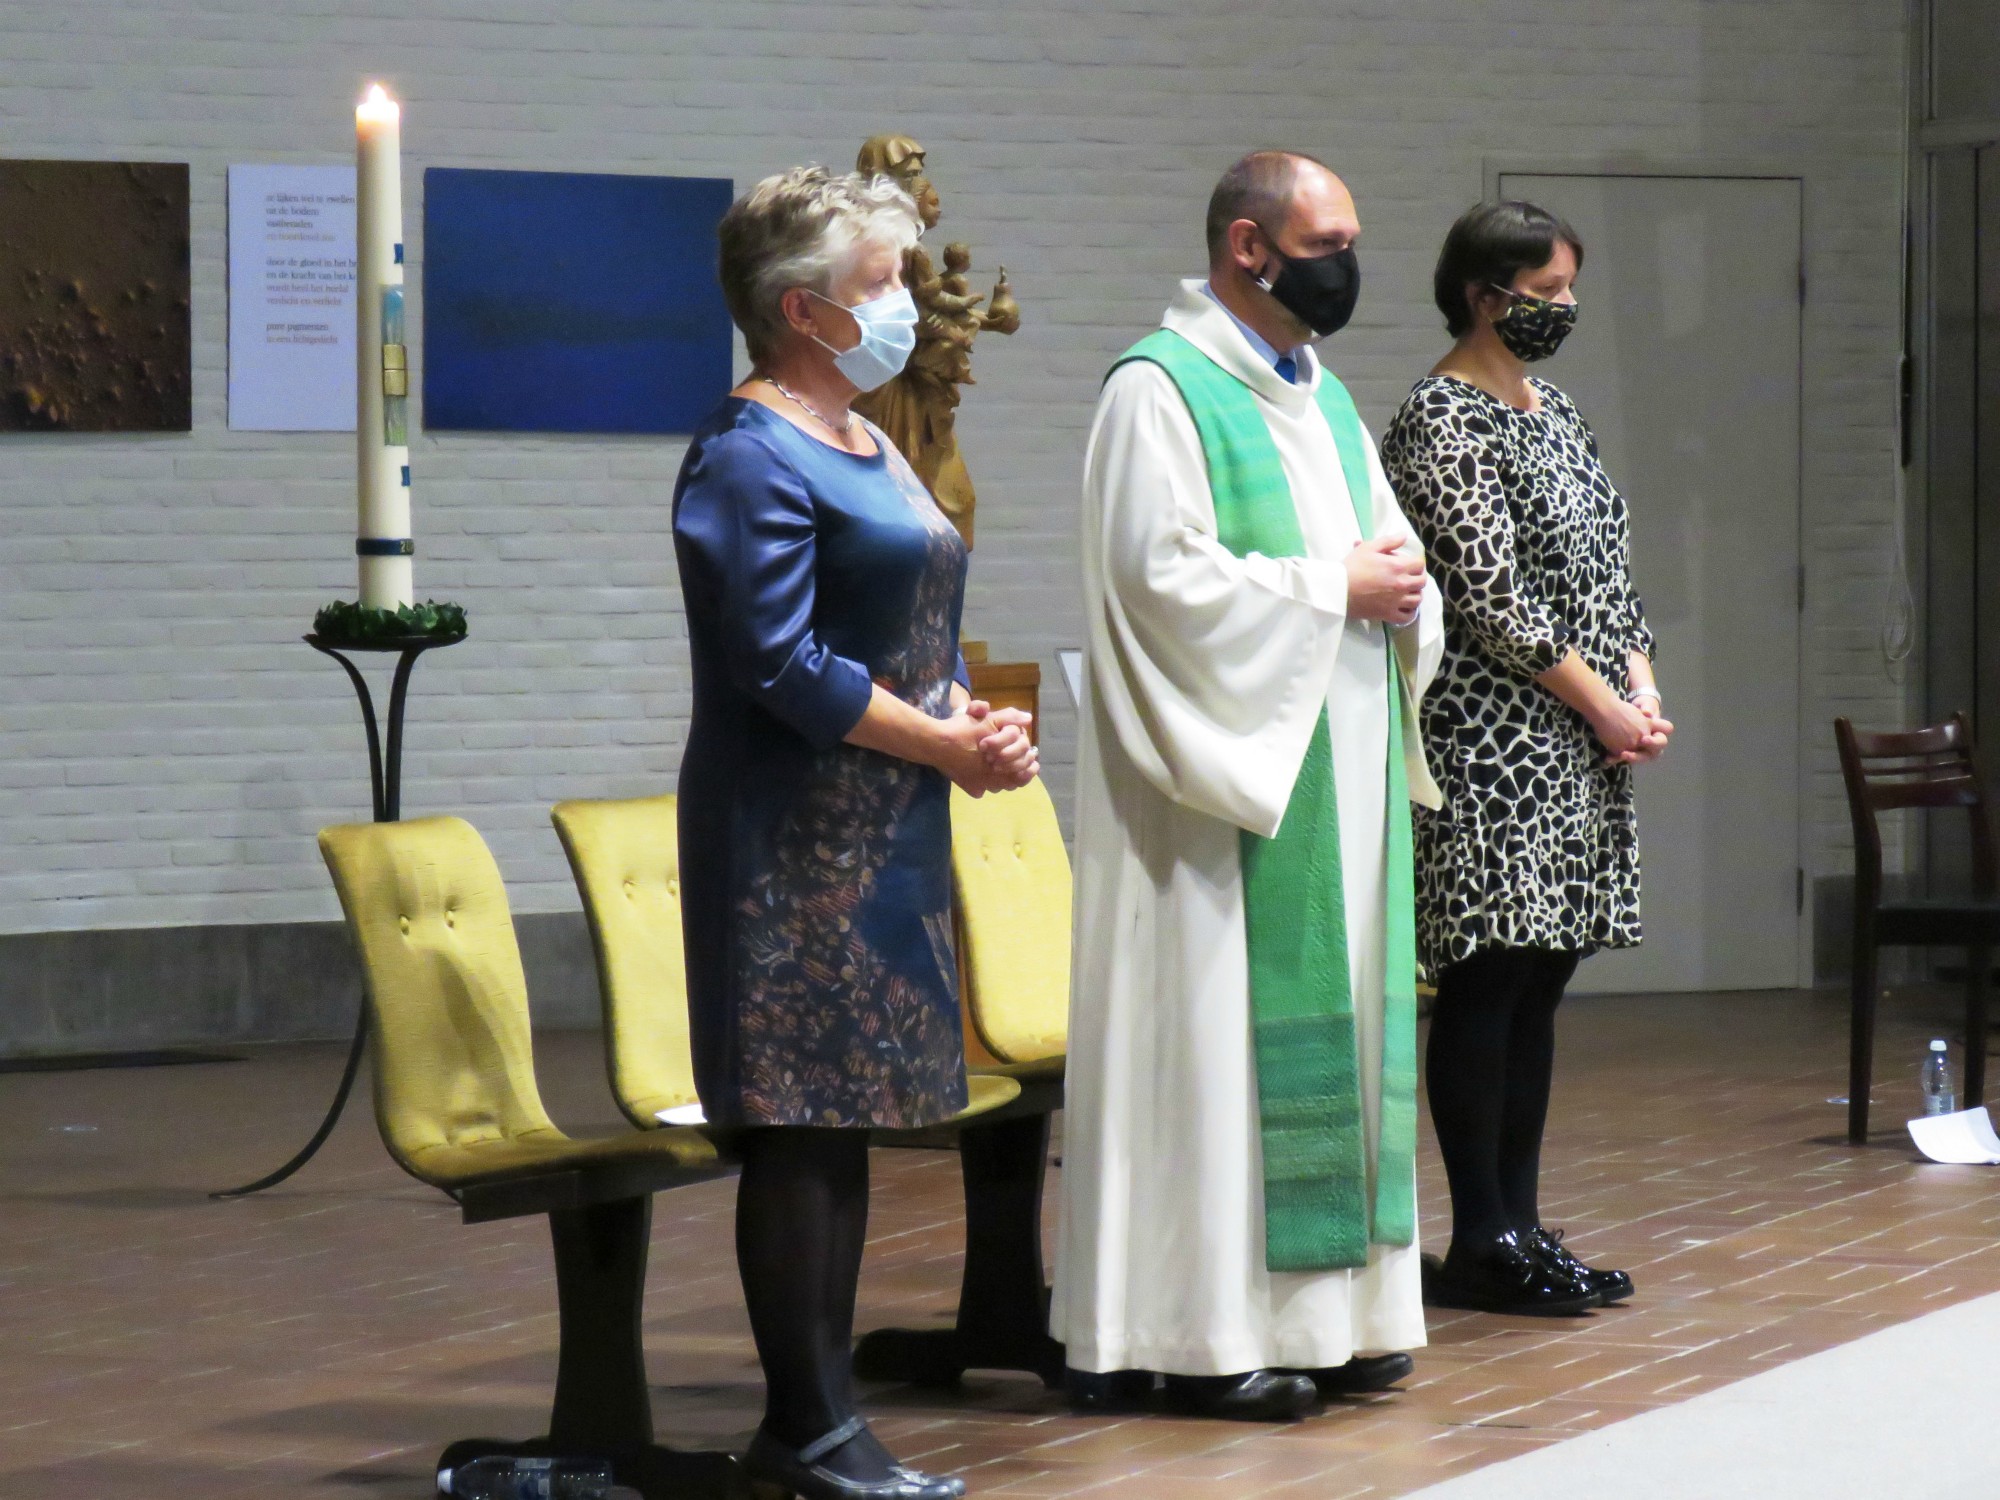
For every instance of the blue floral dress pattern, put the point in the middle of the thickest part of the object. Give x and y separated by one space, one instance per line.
815 875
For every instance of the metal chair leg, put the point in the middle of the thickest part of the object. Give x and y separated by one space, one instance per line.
602 1405
1003 1299
1978 971
1861 1039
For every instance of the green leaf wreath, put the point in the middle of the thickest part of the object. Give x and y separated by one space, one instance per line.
349 623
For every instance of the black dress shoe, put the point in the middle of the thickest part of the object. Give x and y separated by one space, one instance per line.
1260 1396
1504 1275
1361 1375
776 1472
1610 1286
1108 1390
1430 1267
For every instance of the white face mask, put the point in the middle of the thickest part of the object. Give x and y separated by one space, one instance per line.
888 327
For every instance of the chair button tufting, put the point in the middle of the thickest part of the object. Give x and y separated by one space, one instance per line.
404 923
673 887
1019 850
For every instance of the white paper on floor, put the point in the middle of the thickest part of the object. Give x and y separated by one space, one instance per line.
1963 1139
690 1114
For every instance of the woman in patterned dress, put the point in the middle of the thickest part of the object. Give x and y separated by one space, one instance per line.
1543 705
822 587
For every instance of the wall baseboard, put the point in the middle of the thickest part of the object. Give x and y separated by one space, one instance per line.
108 991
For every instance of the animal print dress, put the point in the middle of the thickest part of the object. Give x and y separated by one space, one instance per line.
1537 844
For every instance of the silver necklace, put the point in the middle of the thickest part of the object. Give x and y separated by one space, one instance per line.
845 429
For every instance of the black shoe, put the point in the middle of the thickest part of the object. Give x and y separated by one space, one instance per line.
1610 1286
1565 1269
1504 1276
776 1472
1108 1390
1361 1375
1260 1396
1430 1267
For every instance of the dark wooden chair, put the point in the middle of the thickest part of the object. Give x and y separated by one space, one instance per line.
1922 768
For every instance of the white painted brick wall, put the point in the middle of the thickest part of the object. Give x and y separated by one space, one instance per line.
167 747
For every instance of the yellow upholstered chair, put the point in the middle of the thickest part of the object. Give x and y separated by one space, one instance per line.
625 856
626 859
456 1101
1012 877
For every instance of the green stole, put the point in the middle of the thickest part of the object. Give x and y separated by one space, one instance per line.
1318 1212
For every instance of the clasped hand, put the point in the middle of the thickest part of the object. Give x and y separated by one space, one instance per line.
1633 733
988 749
1383 581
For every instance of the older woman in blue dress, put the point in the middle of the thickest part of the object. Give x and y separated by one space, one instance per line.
831 714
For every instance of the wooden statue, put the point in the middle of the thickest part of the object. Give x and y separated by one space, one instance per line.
919 408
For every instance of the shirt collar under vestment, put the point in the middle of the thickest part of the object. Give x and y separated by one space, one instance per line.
1212 328
1264 347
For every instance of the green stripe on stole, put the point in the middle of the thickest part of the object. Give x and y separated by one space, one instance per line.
1318 1211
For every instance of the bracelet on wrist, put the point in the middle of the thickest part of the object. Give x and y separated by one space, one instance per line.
1637 693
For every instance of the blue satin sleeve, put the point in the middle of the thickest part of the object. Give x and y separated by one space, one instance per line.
962 674
747 543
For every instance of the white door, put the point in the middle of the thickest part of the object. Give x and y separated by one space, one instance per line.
1685 362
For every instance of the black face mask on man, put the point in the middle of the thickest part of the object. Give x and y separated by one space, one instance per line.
1319 290
1533 328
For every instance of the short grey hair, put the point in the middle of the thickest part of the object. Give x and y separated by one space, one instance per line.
797 229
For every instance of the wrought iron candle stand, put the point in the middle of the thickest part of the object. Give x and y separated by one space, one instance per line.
385 778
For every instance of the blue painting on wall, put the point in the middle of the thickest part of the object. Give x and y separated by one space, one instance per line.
572 301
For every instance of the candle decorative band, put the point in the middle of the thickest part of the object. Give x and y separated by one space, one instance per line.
395 371
385 546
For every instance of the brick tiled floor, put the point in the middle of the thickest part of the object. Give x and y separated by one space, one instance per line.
327 1338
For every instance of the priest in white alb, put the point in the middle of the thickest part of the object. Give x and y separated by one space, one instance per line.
1238 1187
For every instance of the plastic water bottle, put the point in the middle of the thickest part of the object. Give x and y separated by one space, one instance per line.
1935 1080
502 1477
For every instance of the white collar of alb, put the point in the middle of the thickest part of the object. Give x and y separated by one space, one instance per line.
1207 324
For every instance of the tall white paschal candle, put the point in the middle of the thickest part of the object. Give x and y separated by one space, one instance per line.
381 429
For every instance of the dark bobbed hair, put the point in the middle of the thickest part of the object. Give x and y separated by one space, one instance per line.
1492 243
1259 188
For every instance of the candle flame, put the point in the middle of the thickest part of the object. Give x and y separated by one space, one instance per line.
378 108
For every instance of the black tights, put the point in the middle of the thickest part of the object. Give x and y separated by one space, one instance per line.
801 1220
1492 1050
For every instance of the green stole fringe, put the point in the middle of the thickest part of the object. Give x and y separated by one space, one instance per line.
1319 1213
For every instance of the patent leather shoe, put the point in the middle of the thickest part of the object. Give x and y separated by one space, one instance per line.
1610 1286
1361 1376
1505 1275
776 1472
1259 1396
1108 1390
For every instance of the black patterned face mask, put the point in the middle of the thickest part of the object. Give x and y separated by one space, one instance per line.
1533 328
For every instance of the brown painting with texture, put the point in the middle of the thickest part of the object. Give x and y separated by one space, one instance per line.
94 326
